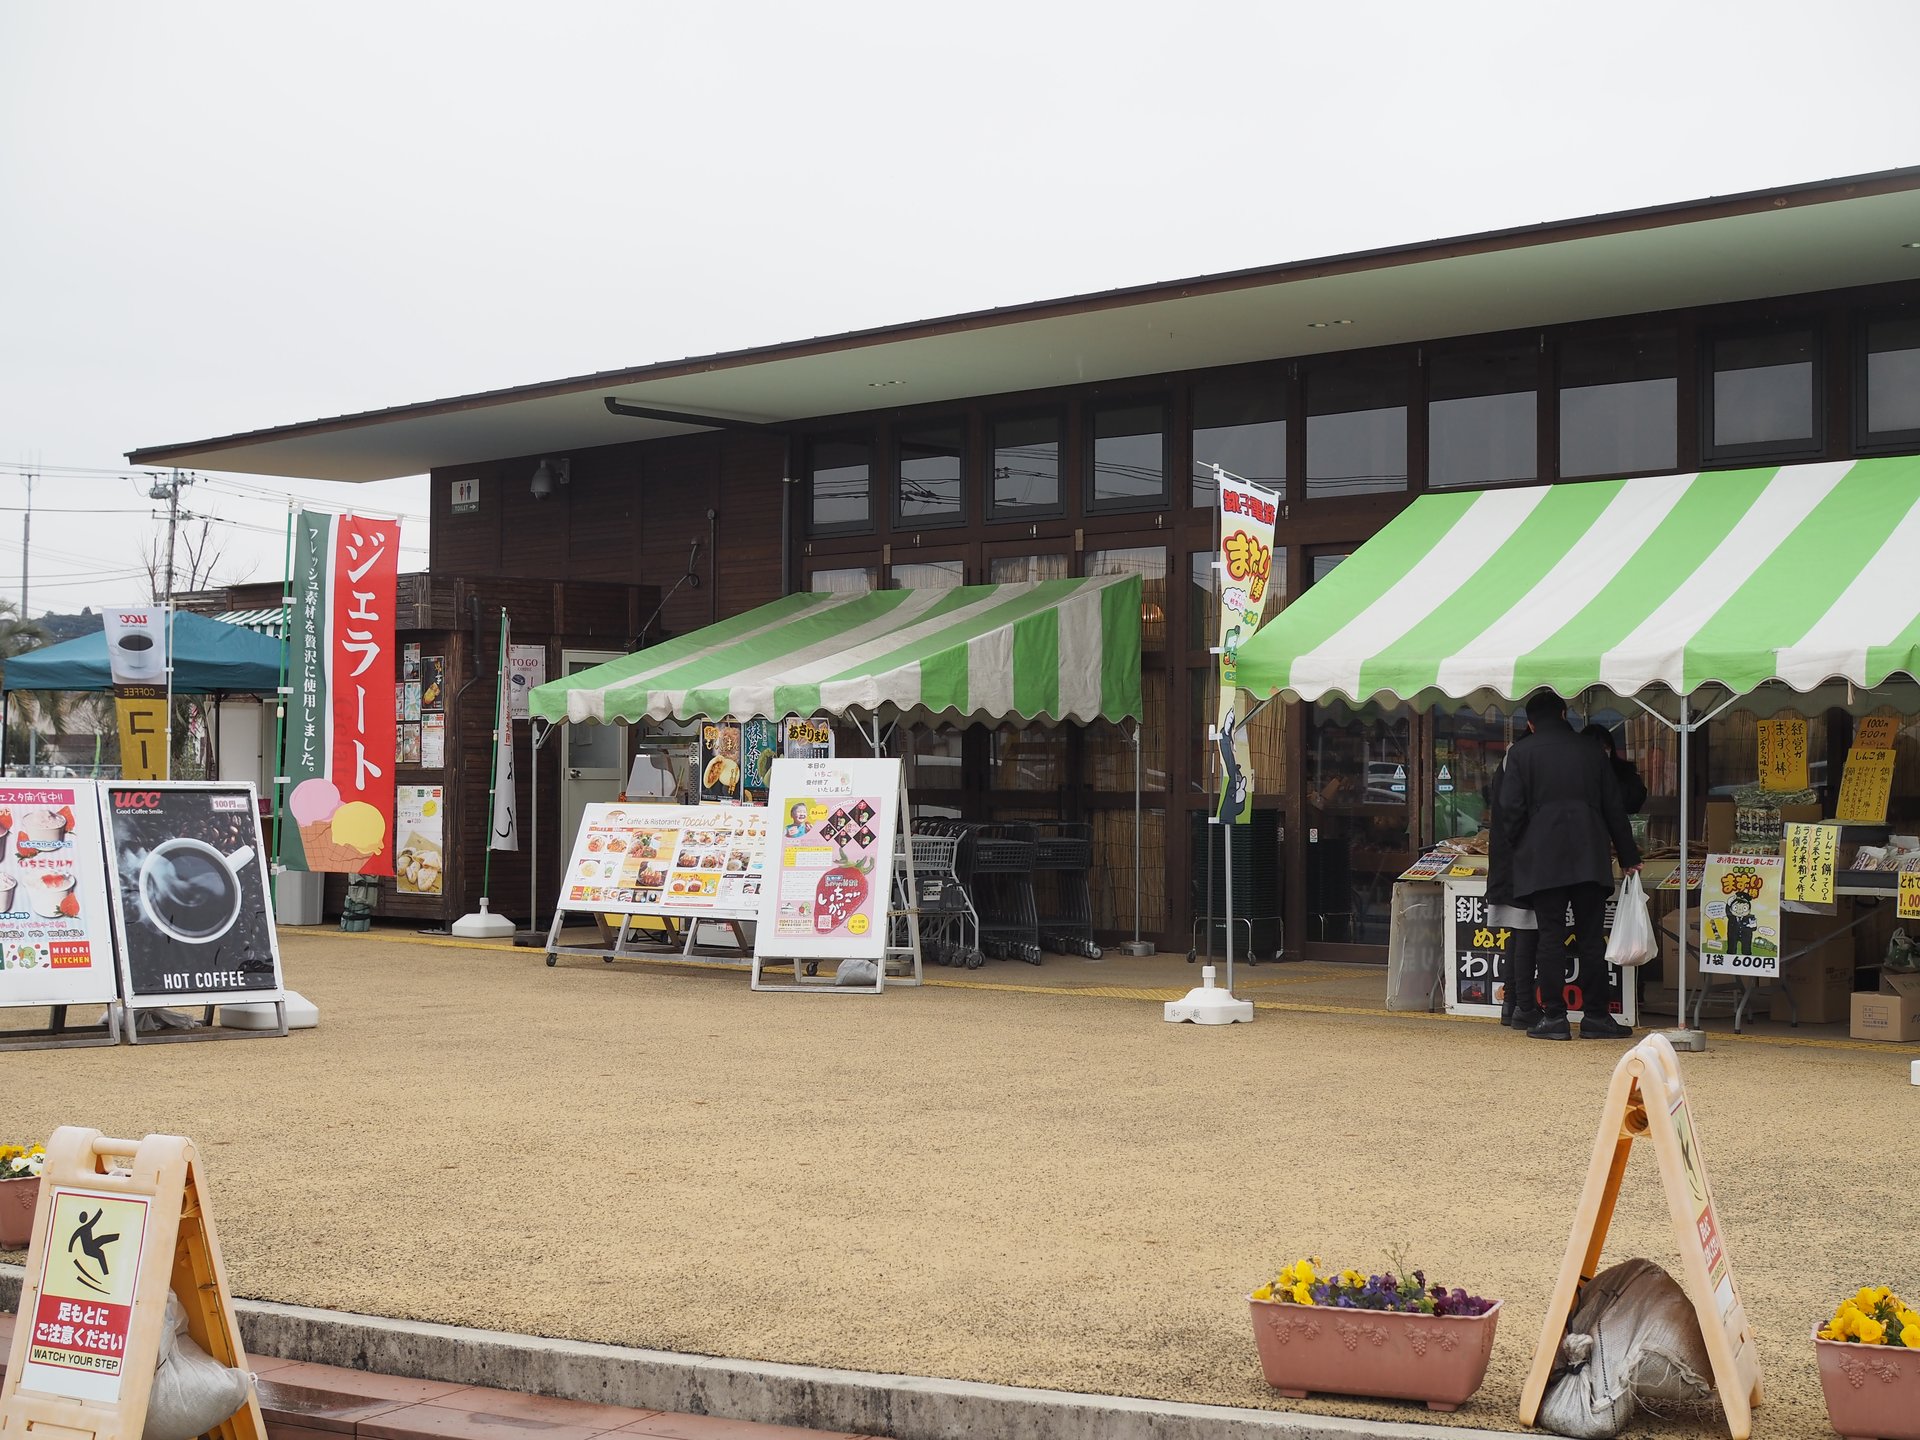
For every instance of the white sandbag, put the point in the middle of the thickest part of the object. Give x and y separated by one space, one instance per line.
1633 1340
857 972
192 1391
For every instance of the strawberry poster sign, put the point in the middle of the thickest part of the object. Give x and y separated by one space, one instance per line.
833 847
56 939
341 736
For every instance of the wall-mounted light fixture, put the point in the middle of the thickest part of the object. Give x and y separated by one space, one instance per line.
549 474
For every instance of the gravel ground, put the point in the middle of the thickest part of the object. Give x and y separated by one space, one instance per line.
1027 1188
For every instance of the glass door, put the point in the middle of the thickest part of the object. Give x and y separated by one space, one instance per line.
1361 801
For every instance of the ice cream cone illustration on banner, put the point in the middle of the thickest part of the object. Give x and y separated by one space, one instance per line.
337 837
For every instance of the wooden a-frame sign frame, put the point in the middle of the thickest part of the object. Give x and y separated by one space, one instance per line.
1647 1099
82 1368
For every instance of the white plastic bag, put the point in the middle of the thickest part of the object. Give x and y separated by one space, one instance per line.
1632 942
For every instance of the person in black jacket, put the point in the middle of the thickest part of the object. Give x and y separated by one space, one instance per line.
1520 1006
1564 815
1633 790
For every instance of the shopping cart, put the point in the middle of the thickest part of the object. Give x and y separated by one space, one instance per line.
1062 860
949 925
1003 856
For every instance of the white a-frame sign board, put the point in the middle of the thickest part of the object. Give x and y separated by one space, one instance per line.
1647 1100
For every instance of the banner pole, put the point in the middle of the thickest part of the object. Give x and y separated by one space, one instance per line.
493 779
482 923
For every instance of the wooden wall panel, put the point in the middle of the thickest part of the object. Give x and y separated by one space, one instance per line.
679 484
751 493
603 510
533 536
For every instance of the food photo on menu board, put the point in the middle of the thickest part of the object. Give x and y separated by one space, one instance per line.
658 859
56 944
191 896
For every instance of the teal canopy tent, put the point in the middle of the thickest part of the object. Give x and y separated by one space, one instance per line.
209 658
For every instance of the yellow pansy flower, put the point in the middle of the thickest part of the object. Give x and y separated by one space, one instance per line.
1353 1278
1302 1294
1870 1331
1265 1292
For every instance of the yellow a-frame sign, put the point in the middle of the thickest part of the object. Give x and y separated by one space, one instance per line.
108 1244
1648 1100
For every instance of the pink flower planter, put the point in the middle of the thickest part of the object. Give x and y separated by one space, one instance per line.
1306 1349
17 1199
1873 1391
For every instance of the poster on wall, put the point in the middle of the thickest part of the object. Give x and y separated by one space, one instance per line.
832 858
433 742
806 739
720 769
342 716
759 748
407 748
433 683
56 943
137 664
1247 515
1740 915
668 860
1479 956
190 893
418 820
526 668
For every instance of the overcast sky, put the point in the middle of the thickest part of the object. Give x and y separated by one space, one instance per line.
224 216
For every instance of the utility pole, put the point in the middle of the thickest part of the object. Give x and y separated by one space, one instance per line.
169 491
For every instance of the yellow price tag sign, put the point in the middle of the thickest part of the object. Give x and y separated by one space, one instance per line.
1909 908
1811 852
1783 753
1865 786
1876 732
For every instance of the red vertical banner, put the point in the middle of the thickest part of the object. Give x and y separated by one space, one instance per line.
361 673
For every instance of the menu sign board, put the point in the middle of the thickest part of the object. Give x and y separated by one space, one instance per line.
667 860
56 945
1864 786
1479 958
806 739
190 896
720 768
832 870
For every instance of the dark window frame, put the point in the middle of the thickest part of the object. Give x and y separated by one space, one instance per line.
870 525
1544 392
1883 442
997 514
1276 377
1763 452
961 516
1555 387
1409 361
1089 458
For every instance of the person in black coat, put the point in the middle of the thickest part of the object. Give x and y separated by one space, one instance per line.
1520 1006
1633 790
1566 820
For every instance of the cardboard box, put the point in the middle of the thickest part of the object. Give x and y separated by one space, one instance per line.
1904 985
1893 1018
1662 996
1821 983
1720 822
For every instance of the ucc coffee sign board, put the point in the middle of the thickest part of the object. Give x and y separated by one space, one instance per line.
190 893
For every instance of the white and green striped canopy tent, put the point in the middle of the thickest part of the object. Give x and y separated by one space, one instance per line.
1048 651
1800 579
1679 591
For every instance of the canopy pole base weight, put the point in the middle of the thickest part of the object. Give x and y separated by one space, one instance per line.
1686 1039
482 924
1138 949
1209 1005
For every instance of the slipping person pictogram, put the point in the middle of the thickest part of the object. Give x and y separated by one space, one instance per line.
94 1247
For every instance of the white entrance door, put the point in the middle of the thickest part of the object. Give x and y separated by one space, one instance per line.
592 758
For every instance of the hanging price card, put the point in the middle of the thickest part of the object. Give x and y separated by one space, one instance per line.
1783 754
1865 786
1909 895
1811 852
1876 732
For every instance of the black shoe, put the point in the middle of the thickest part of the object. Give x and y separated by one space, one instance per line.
1550 1027
1506 1012
1525 1019
1603 1027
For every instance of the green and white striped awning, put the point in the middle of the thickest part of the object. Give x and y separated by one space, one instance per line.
1801 575
1051 650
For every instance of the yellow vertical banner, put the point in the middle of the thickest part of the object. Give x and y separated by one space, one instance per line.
142 712
1811 851
1783 753
1865 786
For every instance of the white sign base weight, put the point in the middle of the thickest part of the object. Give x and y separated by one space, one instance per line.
1209 1005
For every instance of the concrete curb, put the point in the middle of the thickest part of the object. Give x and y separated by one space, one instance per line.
902 1407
